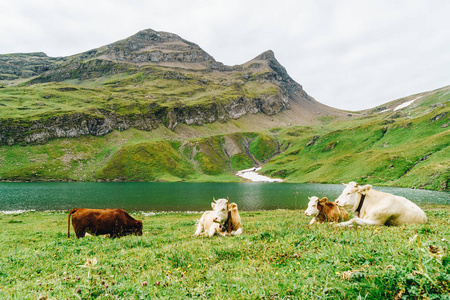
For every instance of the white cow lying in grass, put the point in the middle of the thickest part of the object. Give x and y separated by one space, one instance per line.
377 208
212 221
224 219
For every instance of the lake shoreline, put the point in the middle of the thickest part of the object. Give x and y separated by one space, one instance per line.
175 213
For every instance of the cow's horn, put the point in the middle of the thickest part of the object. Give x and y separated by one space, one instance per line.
214 199
228 199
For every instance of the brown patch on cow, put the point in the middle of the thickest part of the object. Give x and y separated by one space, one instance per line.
330 212
233 222
115 222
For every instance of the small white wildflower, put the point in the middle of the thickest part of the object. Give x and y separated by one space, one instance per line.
90 263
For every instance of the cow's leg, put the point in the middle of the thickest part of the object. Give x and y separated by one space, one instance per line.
359 221
365 222
199 228
211 231
237 232
312 221
345 224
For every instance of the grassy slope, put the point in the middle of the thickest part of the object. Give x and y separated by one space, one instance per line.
129 93
405 148
410 151
132 155
278 256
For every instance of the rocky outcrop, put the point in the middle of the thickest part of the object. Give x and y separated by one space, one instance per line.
40 131
100 122
24 65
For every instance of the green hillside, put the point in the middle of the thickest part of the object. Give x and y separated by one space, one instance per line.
411 152
409 149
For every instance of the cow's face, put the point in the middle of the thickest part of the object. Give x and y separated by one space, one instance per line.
351 195
138 229
314 205
220 210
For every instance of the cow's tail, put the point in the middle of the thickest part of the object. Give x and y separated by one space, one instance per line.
68 221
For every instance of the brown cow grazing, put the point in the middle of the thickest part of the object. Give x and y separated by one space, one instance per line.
325 211
115 222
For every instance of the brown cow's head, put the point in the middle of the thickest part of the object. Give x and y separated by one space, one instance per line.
139 227
232 207
135 229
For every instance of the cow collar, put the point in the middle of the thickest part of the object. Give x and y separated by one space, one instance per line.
361 202
227 226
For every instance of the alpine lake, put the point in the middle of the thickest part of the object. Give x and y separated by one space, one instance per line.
181 197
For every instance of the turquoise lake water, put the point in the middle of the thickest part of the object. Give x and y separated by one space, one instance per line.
156 196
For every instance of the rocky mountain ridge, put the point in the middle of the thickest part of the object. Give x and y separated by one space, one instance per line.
142 75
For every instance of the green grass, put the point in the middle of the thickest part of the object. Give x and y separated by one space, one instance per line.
263 147
241 162
127 93
132 155
147 161
409 152
278 256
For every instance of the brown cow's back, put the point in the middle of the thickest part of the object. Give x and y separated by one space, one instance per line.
330 212
115 222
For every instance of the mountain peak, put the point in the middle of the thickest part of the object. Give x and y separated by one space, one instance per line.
150 36
267 55
150 46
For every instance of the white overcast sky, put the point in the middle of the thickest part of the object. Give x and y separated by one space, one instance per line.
346 54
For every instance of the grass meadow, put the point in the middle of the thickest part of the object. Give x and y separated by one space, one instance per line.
277 257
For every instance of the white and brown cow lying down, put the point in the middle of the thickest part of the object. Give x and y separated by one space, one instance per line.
224 219
324 211
372 207
115 222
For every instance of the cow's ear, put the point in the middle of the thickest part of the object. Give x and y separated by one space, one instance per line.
324 199
364 189
213 205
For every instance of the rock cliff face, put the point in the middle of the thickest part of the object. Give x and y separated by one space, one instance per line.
101 122
24 65
170 53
